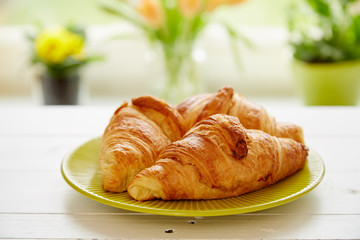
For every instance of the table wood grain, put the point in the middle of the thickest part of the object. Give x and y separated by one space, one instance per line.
36 203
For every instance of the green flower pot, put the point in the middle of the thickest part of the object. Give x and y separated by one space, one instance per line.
328 83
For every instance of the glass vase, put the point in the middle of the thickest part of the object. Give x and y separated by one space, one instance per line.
178 72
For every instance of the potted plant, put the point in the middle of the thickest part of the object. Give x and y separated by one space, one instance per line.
59 51
325 37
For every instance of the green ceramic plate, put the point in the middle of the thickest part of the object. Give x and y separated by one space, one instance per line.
81 171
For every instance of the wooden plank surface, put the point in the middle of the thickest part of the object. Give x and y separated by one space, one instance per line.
35 202
74 120
47 192
124 226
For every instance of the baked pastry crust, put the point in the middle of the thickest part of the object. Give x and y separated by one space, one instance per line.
251 115
135 136
218 158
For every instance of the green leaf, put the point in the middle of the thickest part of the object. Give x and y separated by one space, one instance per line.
72 27
321 7
356 28
93 58
238 36
126 13
234 38
347 2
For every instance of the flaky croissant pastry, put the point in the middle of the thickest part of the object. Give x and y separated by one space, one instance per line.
251 116
134 137
218 158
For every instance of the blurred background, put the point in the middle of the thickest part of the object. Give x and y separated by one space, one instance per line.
264 75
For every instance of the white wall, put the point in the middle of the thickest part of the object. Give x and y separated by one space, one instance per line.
127 72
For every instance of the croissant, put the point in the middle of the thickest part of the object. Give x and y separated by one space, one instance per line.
218 158
251 115
135 136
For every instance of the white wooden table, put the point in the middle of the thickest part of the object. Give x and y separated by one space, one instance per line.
35 201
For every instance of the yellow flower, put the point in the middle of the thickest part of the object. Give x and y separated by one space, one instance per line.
152 12
56 44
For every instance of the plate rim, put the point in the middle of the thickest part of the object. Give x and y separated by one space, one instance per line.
186 212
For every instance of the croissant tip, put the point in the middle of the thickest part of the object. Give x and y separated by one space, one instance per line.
125 104
144 188
226 87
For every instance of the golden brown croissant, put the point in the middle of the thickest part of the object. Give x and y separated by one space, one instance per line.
218 158
251 116
134 137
